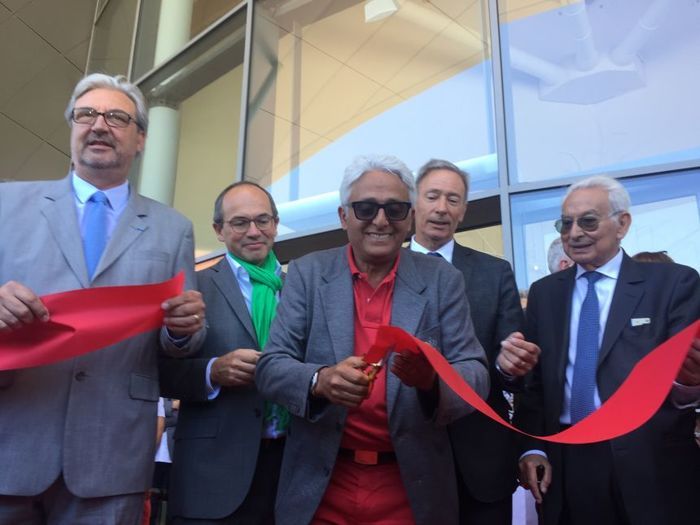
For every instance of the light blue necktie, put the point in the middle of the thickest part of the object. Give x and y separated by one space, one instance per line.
587 347
95 228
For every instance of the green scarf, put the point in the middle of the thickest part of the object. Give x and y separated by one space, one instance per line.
266 283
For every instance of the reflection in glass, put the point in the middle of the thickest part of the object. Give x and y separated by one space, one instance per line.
329 81
610 88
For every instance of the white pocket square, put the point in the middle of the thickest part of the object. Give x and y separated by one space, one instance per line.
639 321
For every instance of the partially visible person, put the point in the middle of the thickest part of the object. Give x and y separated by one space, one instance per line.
367 444
229 442
485 452
594 322
653 257
77 436
167 422
557 260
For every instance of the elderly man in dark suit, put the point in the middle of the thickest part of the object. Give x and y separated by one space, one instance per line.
228 442
485 452
368 445
77 436
594 322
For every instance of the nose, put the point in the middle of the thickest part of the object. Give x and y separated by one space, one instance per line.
100 123
380 219
441 205
253 230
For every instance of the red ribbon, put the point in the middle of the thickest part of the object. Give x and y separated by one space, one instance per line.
632 405
86 320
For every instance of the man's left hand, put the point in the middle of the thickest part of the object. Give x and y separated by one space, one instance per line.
184 314
690 372
413 370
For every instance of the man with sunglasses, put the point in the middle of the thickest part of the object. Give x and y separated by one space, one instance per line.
367 442
594 322
77 435
229 442
485 452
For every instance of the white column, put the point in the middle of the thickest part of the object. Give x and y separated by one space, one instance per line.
159 166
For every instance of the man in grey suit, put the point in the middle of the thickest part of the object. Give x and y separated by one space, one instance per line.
485 452
77 436
229 443
594 322
368 444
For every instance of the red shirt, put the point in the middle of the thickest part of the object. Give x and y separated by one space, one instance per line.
367 426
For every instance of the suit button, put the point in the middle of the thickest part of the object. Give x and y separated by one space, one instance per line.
257 412
80 376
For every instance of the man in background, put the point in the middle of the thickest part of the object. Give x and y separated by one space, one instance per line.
485 452
229 442
557 260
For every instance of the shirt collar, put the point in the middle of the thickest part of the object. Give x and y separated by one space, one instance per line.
609 269
118 196
355 271
446 250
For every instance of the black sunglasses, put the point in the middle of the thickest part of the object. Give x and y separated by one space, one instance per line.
588 223
368 210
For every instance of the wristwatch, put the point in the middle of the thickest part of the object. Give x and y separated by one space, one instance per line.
314 382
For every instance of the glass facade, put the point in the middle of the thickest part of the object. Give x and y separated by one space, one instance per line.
527 95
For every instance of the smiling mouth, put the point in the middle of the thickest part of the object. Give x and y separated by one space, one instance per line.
379 236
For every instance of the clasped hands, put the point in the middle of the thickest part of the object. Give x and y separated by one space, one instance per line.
349 382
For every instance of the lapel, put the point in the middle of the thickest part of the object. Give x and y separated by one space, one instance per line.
61 215
628 292
135 220
561 294
227 284
460 260
407 308
338 305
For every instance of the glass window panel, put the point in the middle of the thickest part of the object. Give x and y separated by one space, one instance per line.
110 49
612 87
665 216
328 83
198 15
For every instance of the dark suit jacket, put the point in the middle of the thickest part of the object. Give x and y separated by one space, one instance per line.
486 452
658 465
91 418
217 441
314 327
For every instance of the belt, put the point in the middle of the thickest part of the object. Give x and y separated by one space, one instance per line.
367 457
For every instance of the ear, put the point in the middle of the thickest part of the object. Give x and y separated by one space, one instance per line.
140 142
217 230
342 214
625 220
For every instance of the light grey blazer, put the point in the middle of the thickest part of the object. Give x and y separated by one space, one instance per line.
314 327
93 417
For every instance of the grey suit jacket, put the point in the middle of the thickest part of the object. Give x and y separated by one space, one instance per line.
93 417
216 441
485 452
314 327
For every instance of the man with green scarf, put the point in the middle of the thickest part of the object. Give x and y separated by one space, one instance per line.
229 442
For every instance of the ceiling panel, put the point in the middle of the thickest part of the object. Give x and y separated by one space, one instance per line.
45 163
23 56
4 14
16 151
39 105
74 21
14 5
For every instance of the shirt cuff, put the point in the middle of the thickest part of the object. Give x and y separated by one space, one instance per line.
212 390
177 341
506 376
685 396
533 451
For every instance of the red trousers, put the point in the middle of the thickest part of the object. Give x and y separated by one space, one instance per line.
364 495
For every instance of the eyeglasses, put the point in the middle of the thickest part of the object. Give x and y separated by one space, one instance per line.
262 222
588 223
115 118
368 210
